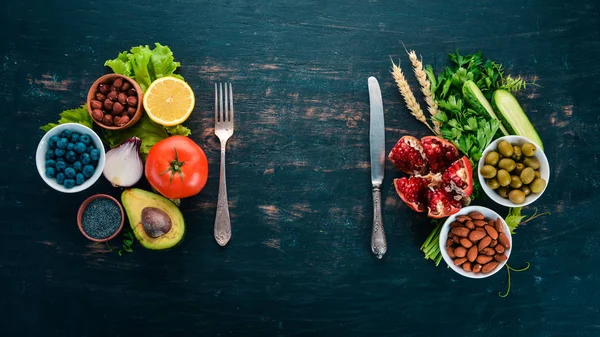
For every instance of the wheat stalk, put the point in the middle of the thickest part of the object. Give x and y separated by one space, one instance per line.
409 98
421 76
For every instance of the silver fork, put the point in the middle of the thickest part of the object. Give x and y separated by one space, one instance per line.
223 130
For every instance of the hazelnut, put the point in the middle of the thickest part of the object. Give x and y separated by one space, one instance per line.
118 108
118 82
107 120
108 104
112 88
122 98
126 86
97 114
117 120
123 120
103 88
132 100
113 95
100 96
96 104
132 92
131 111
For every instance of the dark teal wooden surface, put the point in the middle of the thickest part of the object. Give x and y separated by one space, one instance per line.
298 172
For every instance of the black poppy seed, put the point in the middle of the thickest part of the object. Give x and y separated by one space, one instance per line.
101 218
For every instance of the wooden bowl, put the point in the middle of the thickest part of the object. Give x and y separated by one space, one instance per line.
109 78
85 204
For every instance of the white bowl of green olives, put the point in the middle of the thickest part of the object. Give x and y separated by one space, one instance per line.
513 171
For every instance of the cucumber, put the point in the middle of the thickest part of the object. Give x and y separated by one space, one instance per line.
477 102
513 116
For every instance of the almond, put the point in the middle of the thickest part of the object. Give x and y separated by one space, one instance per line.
475 236
494 243
460 251
500 257
466 243
483 259
488 251
472 254
460 261
450 252
463 218
503 239
455 224
476 268
484 242
476 216
449 242
499 249
491 232
450 235
479 223
481 230
489 267
463 232
470 225
492 223
456 239
467 266
499 226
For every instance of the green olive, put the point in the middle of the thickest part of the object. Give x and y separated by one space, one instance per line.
532 162
519 168
503 192
516 196
503 178
527 175
493 183
526 190
488 171
515 182
528 149
517 154
492 158
538 185
507 164
505 148
537 174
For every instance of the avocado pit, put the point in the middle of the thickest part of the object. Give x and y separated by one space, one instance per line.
155 221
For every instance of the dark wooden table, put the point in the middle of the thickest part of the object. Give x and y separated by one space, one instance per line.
298 172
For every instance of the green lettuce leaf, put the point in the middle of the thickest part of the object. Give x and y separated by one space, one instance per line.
120 65
79 115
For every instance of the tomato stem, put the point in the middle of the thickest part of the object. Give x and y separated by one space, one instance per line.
174 168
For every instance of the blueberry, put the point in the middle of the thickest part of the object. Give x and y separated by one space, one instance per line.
85 139
60 178
62 143
70 172
50 163
71 156
80 148
49 154
70 147
59 152
90 148
88 171
69 183
50 172
77 166
85 158
66 134
61 166
60 159
95 154
74 137
79 179
52 141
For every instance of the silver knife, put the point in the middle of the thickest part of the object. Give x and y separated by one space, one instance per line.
377 142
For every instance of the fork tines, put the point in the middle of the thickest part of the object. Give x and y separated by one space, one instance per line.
223 112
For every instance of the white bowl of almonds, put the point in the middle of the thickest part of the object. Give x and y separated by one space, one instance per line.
475 242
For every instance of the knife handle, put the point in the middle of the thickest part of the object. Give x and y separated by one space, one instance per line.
378 241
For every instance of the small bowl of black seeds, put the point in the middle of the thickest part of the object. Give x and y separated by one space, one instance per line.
100 218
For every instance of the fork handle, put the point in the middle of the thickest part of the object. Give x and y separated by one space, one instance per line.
378 240
222 220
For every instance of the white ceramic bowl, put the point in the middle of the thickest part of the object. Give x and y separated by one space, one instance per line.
539 155
40 156
489 214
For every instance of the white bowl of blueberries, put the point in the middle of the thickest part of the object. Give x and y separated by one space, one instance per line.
70 157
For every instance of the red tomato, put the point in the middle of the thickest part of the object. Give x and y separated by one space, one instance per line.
177 167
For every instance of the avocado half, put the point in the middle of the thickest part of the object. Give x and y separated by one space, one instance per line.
156 222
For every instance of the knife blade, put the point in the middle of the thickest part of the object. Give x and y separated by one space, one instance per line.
377 145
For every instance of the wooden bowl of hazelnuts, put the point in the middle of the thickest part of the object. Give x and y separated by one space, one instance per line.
115 102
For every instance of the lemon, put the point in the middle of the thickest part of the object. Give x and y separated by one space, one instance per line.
169 101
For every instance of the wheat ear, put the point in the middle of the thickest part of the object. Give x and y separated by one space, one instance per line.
409 98
421 76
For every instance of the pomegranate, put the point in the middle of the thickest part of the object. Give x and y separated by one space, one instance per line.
440 181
